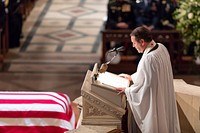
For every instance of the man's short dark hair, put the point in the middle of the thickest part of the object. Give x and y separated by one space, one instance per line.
142 33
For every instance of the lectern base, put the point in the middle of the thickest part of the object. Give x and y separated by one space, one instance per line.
98 110
95 116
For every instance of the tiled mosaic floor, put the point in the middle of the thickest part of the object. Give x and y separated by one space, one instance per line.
61 42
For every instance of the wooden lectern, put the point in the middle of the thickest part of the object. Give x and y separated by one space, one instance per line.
101 104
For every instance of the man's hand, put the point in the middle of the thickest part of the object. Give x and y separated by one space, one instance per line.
126 76
120 90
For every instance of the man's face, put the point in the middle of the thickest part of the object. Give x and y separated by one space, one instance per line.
137 45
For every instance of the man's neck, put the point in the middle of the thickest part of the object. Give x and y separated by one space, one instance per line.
149 46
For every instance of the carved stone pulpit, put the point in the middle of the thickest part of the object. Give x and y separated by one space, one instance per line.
101 104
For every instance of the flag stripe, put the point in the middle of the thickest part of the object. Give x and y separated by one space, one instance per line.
32 129
35 122
34 114
34 97
34 107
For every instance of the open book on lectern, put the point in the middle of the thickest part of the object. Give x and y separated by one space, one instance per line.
104 84
108 79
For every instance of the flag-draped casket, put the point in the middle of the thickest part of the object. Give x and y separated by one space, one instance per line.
35 112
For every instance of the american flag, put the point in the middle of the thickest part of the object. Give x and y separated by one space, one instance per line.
35 112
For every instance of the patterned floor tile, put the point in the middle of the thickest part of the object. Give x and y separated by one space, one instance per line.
43 39
96 7
97 2
41 48
61 6
53 58
57 15
66 35
54 23
77 48
65 1
48 68
85 23
27 27
77 11
83 40
45 30
92 16
87 31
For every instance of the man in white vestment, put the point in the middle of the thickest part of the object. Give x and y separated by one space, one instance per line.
151 97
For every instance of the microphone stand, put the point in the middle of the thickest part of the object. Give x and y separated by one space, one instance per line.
108 62
104 66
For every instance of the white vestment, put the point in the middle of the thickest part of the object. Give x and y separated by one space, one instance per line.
152 97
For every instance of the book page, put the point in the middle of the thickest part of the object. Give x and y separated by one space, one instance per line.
113 80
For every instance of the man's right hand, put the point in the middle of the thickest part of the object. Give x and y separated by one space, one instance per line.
126 76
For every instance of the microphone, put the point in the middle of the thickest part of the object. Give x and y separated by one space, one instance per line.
103 68
117 49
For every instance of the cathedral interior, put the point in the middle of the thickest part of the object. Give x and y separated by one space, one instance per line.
49 45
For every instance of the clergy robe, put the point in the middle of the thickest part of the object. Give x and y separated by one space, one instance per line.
152 97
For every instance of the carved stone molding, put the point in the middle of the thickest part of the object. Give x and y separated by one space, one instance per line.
103 105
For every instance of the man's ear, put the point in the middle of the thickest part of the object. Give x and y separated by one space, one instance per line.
142 42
